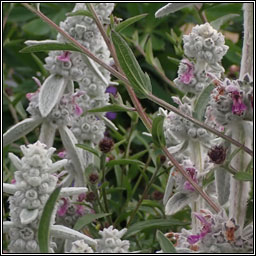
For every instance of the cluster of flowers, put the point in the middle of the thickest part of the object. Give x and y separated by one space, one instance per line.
217 234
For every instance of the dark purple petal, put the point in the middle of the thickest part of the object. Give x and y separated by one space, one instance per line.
81 197
112 90
111 115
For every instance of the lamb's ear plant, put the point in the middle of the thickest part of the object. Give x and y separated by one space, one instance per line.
208 134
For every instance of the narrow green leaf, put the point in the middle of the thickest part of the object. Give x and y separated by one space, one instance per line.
165 244
79 13
149 52
202 102
124 162
150 224
174 60
44 46
113 108
44 224
139 81
129 22
157 131
87 219
243 176
220 21
88 148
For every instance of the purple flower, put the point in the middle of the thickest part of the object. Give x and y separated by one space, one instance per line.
192 174
189 73
63 208
238 106
78 110
192 239
112 90
62 154
80 209
111 115
64 57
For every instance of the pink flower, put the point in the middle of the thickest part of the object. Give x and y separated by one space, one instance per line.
78 110
189 73
80 209
64 57
62 154
192 239
192 174
63 208
238 106
13 181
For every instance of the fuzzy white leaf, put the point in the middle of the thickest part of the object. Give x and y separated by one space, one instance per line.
66 182
7 225
27 216
96 70
177 148
108 123
20 129
179 201
35 42
15 161
58 165
69 141
170 8
65 192
222 179
51 93
169 187
9 188
63 232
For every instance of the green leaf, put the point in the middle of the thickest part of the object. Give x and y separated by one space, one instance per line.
48 46
139 80
149 52
165 244
150 224
80 13
201 103
157 131
243 176
113 108
44 224
124 162
220 21
174 60
87 219
37 27
88 148
129 22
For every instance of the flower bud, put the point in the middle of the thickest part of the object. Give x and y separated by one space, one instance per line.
93 178
106 145
217 154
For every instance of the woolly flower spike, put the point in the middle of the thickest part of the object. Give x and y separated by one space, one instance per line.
34 184
66 64
231 101
205 43
190 80
111 241
80 246
89 128
218 234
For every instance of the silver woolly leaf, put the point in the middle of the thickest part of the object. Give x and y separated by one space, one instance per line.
169 187
170 8
51 93
65 192
28 216
7 225
179 201
222 179
63 232
69 141
9 188
35 42
20 129
15 161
